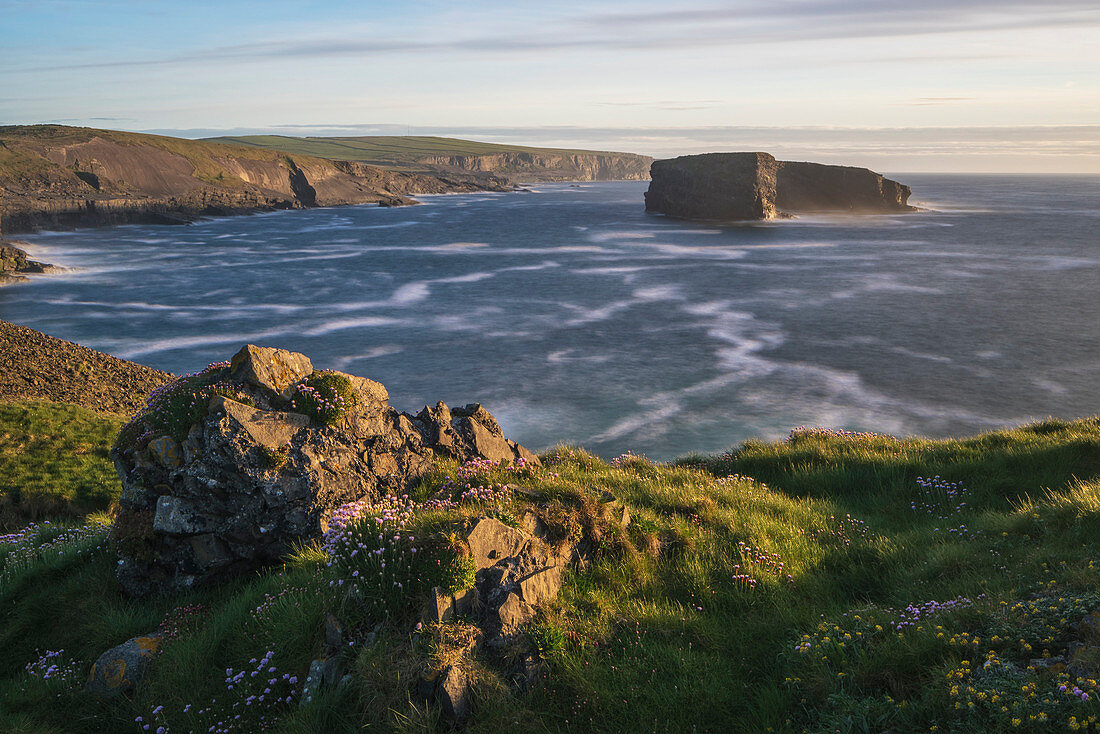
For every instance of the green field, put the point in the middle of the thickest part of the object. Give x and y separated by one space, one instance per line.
830 582
389 150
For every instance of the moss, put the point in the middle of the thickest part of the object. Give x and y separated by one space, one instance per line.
325 396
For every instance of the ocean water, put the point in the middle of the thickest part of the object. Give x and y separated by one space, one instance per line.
574 316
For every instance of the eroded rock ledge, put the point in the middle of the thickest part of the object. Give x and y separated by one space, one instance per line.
228 467
16 265
755 186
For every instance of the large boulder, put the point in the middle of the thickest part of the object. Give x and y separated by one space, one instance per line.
754 186
227 468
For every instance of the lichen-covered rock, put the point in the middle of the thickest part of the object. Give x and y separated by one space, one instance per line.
122 668
227 468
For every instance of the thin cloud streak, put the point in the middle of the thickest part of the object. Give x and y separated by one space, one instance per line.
672 30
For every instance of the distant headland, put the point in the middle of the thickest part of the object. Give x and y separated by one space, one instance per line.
58 177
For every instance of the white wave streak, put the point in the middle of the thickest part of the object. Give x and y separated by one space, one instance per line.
385 350
641 296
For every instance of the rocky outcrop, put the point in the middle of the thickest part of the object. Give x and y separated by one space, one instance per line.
56 176
227 468
814 187
15 265
754 186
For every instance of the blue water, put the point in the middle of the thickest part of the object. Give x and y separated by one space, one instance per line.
574 316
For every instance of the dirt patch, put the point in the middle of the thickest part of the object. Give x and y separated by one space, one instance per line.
34 366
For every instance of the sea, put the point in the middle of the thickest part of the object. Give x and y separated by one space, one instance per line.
576 317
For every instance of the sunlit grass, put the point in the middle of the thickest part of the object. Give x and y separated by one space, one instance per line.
769 599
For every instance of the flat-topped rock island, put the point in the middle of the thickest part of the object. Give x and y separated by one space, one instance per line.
755 186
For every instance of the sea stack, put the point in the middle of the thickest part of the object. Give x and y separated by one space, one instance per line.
755 186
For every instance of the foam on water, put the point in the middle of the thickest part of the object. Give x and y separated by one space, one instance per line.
575 316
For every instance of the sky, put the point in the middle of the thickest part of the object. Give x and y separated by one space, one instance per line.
895 85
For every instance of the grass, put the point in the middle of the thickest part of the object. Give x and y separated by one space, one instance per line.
53 462
830 582
390 150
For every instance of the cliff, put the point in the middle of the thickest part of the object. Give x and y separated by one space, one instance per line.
456 157
523 166
753 186
57 176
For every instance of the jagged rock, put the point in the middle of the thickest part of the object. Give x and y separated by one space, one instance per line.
514 613
753 186
122 668
540 586
267 428
274 369
15 264
491 541
248 481
454 693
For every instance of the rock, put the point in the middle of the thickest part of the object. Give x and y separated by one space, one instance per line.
441 606
468 602
513 614
14 264
323 672
542 585
179 517
491 541
391 201
754 186
334 632
122 668
274 369
246 483
270 429
166 451
454 693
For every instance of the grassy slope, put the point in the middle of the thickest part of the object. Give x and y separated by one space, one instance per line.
393 149
200 153
53 462
659 633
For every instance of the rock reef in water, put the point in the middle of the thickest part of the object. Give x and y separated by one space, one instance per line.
755 186
15 265
227 468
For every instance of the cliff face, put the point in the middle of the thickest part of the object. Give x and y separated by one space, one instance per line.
714 186
54 176
549 167
814 187
753 186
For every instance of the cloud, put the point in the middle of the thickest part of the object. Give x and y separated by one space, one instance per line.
756 23
925 101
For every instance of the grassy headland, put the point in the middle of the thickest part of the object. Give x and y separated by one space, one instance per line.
829 582
432 154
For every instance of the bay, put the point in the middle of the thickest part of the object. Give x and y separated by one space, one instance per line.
574 316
